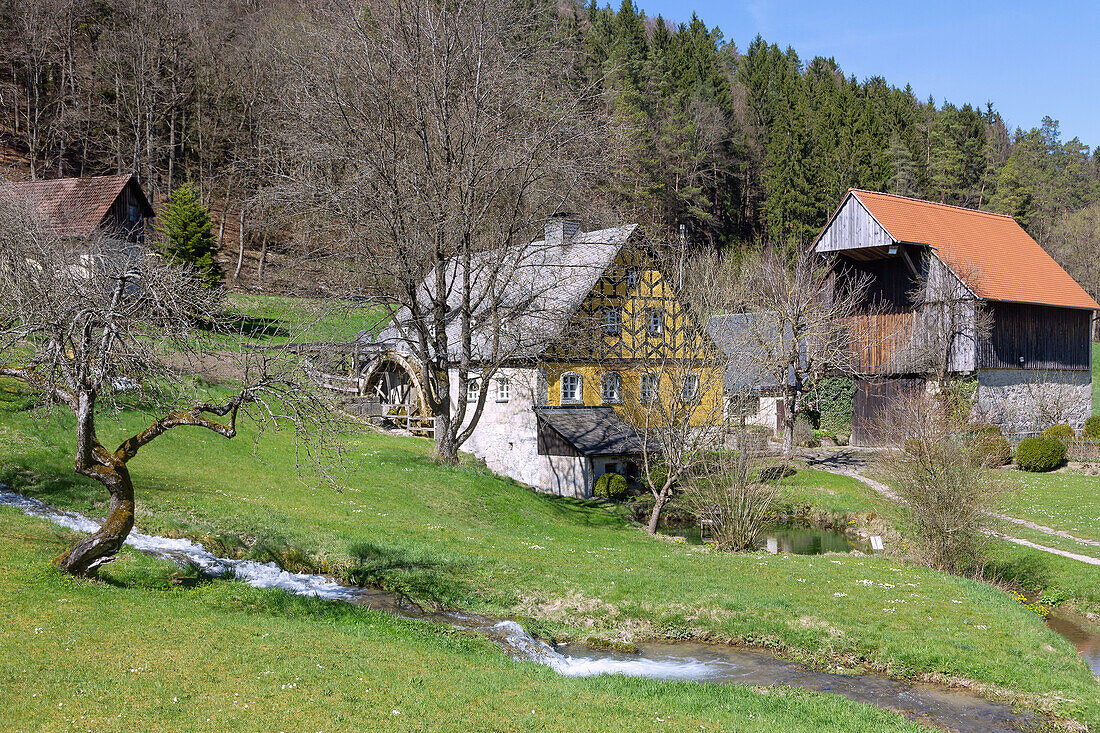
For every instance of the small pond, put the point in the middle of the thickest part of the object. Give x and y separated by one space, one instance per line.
795 539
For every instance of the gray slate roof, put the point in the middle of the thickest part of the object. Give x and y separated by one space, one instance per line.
536 289
594 431
751 344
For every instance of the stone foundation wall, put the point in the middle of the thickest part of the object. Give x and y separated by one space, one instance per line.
1027 400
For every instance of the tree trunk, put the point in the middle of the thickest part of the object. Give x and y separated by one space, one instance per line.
101 547
658 507
446 447
240 250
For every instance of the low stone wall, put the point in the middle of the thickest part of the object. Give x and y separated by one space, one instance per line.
1026 400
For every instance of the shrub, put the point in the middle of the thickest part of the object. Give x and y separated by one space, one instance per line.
1092 428
1040 454
990 449
610 486
1062 433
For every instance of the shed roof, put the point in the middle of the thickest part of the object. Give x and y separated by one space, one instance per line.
72 207
991 253
593 431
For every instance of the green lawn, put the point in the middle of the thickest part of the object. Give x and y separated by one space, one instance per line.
1064 501
139 653
275 319
1096 378
462 538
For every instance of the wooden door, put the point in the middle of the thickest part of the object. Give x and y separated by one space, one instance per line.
872 402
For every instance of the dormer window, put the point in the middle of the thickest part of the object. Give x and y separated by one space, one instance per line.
571 389
612 321
611 388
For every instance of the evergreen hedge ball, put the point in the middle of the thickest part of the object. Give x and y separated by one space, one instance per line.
1062 433
1092 428
1040 454
610 486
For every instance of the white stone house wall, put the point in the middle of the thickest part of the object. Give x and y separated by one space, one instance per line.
506 435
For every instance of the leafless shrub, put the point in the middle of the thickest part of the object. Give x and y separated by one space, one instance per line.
732 505
101 325
945 486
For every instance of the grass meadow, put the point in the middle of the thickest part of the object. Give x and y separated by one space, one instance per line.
462 538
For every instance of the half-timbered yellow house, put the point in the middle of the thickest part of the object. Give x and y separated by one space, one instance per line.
576 403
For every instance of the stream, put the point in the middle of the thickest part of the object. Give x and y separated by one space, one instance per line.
948 708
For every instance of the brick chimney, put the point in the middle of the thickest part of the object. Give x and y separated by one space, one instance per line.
561 228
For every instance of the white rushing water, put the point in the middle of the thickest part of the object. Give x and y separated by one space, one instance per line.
258 574
683 668
269 575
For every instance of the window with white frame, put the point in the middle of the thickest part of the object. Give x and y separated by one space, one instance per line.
570 388
689 388
654 321
473 387
611 388
648 389
504 389
612 321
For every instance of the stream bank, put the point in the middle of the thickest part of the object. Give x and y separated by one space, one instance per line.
948 708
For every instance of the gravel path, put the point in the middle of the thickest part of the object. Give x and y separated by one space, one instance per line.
850 468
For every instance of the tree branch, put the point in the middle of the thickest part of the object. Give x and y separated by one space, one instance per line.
193 417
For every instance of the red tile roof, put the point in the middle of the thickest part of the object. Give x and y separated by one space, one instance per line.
70 207
992 254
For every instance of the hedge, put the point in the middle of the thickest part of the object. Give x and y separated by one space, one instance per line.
1040 454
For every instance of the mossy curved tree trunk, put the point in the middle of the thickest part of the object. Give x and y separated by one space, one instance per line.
109 468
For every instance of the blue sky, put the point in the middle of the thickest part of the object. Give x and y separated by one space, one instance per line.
1029 58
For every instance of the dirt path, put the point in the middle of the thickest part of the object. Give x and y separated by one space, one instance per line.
849 465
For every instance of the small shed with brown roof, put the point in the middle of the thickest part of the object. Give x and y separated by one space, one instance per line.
76 208
1040 319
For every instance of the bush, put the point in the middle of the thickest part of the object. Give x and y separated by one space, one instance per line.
610 486
1062 433
1092 428
990 449
1040 454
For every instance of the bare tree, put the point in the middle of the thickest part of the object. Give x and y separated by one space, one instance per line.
678 409
809 321
943 479
100 325
425 135
949 323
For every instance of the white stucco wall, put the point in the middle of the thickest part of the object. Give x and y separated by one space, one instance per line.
1028 400
566 476
506 436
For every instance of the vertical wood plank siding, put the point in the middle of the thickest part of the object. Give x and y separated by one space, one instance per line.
853 227
880 343
1046 337
872 403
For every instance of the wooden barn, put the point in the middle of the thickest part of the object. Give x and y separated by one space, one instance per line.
77 208
960 293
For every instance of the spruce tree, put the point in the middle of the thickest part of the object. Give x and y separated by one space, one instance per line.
190 234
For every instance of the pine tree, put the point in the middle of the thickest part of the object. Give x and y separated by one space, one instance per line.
190 234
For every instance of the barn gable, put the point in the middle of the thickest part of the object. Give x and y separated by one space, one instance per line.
853 227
